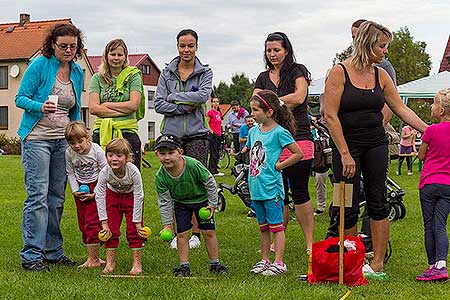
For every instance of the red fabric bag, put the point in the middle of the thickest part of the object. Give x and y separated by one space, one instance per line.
325 262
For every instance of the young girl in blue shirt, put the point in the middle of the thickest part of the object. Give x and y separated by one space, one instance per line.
265 143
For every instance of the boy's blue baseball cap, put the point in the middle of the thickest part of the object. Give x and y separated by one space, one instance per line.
168 141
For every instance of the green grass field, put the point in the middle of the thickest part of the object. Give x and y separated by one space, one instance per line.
238 243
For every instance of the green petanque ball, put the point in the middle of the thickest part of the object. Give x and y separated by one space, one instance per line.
204 213
166 235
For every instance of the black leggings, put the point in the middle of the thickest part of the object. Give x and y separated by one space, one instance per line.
296 178
134 141
372 164
214 149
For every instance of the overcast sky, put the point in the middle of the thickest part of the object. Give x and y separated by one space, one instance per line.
232 33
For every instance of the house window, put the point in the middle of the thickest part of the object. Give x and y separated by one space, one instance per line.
145 69
151 130
84 79
151 99
3 77
3 117
85 116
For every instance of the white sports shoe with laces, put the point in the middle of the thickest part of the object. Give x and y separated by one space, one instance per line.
194 242
173 243
260 266
275 269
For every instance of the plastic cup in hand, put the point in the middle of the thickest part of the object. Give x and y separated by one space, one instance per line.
53 98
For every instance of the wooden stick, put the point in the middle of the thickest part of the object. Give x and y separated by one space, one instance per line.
341 231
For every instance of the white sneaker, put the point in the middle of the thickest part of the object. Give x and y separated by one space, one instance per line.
173 244
260 267
275 269
194 242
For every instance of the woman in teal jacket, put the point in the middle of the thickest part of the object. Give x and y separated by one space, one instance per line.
50 95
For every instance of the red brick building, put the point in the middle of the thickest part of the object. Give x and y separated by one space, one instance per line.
445 62
150 70
149 127
20 42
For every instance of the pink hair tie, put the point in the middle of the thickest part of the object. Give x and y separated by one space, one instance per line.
263 101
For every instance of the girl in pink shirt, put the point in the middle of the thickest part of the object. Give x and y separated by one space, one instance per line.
434 188
407 147
214 118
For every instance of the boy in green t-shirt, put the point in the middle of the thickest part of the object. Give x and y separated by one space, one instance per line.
184 186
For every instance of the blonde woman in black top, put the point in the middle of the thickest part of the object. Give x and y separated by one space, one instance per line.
355 93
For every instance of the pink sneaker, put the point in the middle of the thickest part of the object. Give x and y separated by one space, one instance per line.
433 274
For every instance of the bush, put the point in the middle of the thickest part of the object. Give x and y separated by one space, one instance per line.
150 146
10 145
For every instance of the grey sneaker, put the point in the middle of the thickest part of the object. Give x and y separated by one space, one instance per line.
218 269
182 271
36 266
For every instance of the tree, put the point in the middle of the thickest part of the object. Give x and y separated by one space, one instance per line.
343 55
422 107
240 89
408 57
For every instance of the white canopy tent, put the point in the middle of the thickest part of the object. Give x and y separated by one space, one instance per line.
425 87
316 87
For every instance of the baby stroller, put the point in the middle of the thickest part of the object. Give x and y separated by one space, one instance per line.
240 187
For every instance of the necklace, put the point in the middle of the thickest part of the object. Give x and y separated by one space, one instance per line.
367 79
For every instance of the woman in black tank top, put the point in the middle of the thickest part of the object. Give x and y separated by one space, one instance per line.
355 93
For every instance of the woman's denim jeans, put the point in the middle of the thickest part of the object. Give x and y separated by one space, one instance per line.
45 182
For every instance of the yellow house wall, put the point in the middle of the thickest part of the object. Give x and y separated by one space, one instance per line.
7 96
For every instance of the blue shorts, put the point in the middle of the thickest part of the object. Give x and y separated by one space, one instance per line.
269 214
183 217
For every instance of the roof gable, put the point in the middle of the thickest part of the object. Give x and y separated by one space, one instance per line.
445 62
224 108
134 60
22 42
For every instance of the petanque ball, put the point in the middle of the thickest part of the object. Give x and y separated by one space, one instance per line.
84 188
104 235
166 235
204 213
147 231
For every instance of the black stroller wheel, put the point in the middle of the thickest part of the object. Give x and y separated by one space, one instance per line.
224 158
393 213
402 210
221 204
